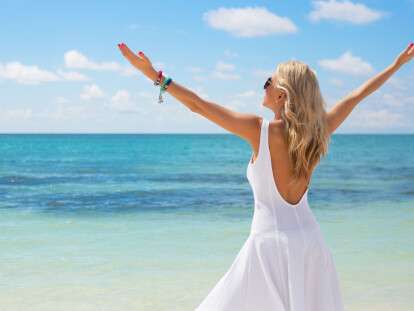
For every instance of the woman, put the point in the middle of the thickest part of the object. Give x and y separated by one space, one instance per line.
285 263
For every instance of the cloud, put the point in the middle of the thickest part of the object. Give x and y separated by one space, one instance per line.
247 94
32 74
121 102
17 114
26 74
197 73
91 92
337 82
194 69
379 119
224 71
230 54
348 64
261 73
399 83
345 11
75 59
249 22
72 76
65 112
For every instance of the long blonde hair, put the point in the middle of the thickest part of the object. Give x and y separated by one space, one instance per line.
304 116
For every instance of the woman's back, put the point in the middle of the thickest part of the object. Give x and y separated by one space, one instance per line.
282 167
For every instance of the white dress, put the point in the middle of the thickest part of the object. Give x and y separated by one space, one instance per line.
285 263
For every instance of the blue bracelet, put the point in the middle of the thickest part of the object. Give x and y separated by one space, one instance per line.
163 88
165 84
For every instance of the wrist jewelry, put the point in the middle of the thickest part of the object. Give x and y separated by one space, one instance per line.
158 81
164 86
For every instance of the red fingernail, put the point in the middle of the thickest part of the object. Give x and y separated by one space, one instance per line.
411 44
140 53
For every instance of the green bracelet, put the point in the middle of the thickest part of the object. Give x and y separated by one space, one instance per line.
163 88
165 84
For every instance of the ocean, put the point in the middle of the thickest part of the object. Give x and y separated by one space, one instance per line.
152 221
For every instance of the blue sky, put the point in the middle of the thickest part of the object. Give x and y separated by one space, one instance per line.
61 71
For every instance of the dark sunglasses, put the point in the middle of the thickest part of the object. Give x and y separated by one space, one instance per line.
267 83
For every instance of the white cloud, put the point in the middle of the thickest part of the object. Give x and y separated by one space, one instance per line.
26 74
224 71
129 71
199 78
65 112
399 83
379 119
348 64
246 94
121 102
346 11
75 59
73 76
230 54
261 73
32 74
396 99
91 92
249 21
197 73
337 82
194 69
145 94
17 114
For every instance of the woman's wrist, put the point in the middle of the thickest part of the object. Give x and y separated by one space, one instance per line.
151 74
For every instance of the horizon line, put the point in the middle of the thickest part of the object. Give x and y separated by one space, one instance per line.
181 133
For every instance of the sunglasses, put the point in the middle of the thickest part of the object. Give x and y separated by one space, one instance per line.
267 83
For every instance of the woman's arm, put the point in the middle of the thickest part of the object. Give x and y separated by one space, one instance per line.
343 108
244 125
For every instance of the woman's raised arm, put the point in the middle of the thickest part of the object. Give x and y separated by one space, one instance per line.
343 108
244 125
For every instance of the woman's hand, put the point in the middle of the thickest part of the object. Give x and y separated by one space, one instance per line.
139 61
405 55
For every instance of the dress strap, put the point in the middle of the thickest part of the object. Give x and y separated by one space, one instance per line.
264 140
262 143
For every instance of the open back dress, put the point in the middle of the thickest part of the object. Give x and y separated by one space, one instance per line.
285 263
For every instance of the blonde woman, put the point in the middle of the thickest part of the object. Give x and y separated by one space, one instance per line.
285 263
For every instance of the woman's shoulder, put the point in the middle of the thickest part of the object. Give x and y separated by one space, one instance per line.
277 131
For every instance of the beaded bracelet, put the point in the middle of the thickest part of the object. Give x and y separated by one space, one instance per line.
163 88
166 83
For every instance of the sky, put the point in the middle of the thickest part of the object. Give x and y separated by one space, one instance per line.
61 70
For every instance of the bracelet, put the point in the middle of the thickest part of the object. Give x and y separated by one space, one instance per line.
163 88
166 83
158 81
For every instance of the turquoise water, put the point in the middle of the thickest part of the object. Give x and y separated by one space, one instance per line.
151 222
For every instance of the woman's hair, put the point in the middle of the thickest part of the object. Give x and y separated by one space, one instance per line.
303 114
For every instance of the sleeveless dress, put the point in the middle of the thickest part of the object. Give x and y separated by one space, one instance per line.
285 263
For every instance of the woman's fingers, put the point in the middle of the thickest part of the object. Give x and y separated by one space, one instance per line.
406 55
410 49
139 60
143 56
126 51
